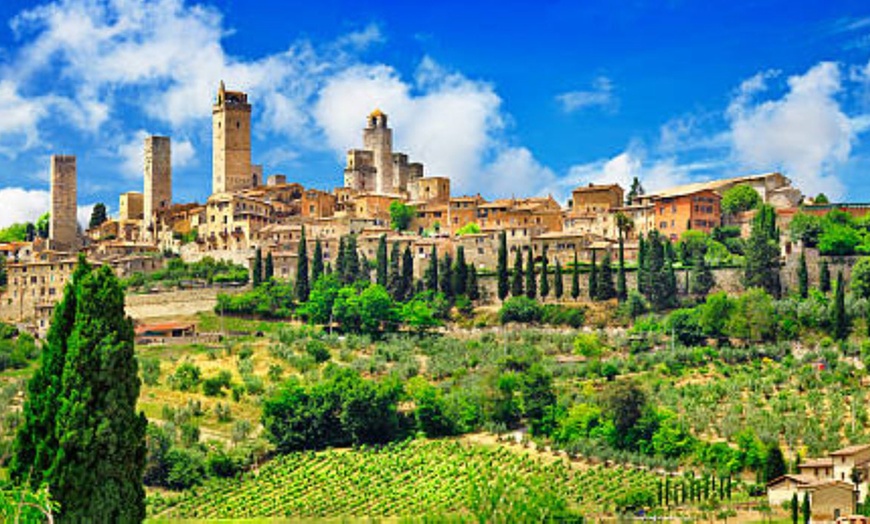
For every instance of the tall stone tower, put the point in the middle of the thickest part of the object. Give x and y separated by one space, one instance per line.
158 182
62 231
378 138
231 142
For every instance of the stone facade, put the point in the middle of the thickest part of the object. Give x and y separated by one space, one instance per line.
231 143
158 182
376 168
131 205
63 232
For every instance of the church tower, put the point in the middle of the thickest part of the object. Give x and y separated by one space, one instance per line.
231 142
378 138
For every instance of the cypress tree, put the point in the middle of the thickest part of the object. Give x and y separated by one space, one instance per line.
445 276
606 290
327 269
351 260
364 274
841 321
502 269
557 283
382 261
95 473
303 287
517 277
394 278
431 275
531 284
824 277
593 278
257 270
641 265
802 276
545 279
339 259
269 271
575 279
407 273
460 277
762 253
621 289
702 277
794 508
805 509
317 261
473 288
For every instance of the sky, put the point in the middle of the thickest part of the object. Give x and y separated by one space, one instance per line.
506 98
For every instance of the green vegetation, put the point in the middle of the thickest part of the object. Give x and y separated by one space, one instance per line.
740 198
178 273
98 215
401 215
471 228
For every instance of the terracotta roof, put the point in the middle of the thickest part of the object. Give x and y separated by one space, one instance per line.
850 450
595 187
800 479
816 463
828 484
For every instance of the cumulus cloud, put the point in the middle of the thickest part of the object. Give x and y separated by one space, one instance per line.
804 133
600 95
515 172
22 205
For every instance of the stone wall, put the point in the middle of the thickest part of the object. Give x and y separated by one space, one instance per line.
175 303
63 218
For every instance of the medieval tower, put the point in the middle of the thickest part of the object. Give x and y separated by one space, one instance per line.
378 138
158 182
231 142
375 168
62 232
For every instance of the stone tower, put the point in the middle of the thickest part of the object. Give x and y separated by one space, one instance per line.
378 138
62 231
158 182
231 142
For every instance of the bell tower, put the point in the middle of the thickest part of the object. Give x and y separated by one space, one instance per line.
378 138
231 142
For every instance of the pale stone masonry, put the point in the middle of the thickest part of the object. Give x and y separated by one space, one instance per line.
158 182
231 143
62 223
376 169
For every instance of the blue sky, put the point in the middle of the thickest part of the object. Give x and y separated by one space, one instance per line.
506 98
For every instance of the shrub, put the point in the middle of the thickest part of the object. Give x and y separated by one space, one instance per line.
186 468
214 386
588 345
186 377
318 350
150 371
520 309
556 314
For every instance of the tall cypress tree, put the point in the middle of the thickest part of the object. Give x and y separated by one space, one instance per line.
257 270
431 275
517 277
394 276
303 287
841 321
575 279
317 261
803 276
593 278
339 259
794 508
364 274
702 277
824 277
641 265
605 290
460 275
445 276
502 267
621 289
557 282
269 271
531 283
96 469
762 253
352 266
407 273
382 261
473 290
805 509
545 279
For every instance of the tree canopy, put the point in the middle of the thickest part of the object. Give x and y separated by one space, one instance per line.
740 198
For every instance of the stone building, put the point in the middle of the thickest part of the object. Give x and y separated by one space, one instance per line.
375 168
158 182
63 231
231 143
130 206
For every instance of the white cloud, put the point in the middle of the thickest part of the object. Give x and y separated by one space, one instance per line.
22 205
805 133
132 155
601 95
20 117
83 214
515 172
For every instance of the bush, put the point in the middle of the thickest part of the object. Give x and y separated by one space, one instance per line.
559 315
186 468
214 386
186 377
588 345
520 309
150 371
318 350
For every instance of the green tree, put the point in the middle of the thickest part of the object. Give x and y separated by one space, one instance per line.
98 215
774 464
257 269
805 509
805 228
740 198
575 278
460 277
473 290
269 268
840 322
824 276
407 273
318 309
445 275
794 508
98 460
593 278
702 279
762 253
557 282
352 268
545 277
623 224
470 228
43 224
860 280
401 215
431 276
803 276
626 403
642 273
634 192
303 287
517 277
394 276
821 198
502 266
377 310
531 282
381 263
317 261
605 289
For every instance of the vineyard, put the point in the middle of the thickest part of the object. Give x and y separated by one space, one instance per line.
413 479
